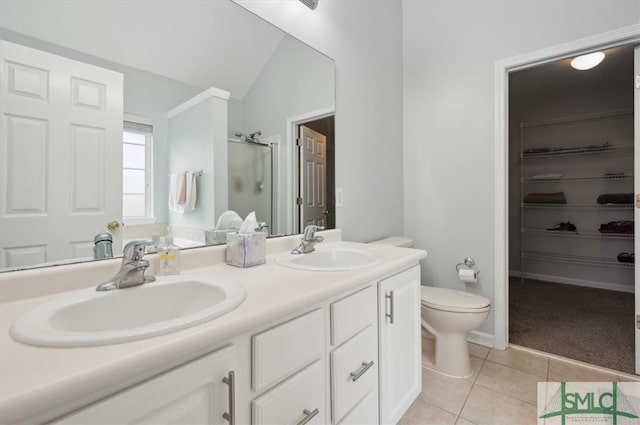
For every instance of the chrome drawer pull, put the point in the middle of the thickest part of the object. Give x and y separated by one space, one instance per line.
231 382
358 373
308 415
389 296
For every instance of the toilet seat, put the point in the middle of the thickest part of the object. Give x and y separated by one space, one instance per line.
451 300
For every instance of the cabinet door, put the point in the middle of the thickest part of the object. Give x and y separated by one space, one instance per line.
399 345
190 394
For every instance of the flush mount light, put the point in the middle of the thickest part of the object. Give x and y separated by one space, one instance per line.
589 61
311 4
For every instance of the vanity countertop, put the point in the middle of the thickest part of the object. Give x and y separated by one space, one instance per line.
36 379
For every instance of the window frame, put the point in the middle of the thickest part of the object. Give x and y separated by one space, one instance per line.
141 125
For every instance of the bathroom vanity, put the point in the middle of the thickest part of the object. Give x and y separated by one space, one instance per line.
317 347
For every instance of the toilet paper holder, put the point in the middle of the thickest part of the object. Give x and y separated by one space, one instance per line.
468 262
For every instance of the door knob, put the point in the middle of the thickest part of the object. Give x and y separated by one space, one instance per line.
325 212
113 225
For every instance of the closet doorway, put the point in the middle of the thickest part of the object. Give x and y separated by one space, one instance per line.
560 215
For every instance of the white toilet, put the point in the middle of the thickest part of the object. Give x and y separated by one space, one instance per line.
449 316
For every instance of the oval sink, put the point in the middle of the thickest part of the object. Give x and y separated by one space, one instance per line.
87 317
340 258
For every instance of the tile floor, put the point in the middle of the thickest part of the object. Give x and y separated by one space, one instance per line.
502 389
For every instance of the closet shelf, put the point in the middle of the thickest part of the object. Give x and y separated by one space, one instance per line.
580 179
579 234
577 151
576 259
580 206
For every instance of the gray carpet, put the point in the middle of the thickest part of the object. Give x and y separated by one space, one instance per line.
591 325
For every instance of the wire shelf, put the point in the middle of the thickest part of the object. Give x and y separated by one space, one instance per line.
579 235
579 206
576 259
579 179
577 151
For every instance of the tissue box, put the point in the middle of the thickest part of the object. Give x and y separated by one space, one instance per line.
246 249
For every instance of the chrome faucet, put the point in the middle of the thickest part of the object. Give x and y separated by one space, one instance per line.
309 240
132 270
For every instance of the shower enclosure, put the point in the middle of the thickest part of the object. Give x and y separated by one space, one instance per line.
250 179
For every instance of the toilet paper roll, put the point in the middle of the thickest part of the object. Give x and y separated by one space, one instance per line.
468 275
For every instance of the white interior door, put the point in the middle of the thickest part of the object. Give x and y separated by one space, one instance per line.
313 181
636 183
60 156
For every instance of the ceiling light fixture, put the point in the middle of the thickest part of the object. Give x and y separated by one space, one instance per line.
588 61
311 4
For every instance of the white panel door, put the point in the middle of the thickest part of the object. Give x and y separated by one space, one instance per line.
313 164
636 172
60 156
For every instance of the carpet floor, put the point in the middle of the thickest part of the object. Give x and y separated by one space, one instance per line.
591 325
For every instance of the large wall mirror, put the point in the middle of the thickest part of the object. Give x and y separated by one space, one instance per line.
152 118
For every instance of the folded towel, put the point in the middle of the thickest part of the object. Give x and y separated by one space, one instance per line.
546 198
616 198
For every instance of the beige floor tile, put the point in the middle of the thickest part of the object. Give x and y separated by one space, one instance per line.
476 365
628 378
478 350
508 381
521 360
421 413
488 407
444 392
463 421
561 371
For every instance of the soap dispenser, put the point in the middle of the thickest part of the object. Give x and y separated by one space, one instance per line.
169 257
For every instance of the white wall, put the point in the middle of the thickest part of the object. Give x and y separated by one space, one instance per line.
449 53
364 38
197 138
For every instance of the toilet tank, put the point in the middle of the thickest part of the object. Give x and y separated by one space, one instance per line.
398 241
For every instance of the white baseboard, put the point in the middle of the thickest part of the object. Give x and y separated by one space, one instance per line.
482 338
577 282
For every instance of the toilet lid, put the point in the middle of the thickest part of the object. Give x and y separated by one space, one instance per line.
450 299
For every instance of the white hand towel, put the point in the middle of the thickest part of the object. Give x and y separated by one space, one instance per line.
190 192
173 191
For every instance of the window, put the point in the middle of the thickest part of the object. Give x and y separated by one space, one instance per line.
137 142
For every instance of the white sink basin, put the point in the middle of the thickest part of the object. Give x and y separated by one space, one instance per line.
88 317
341 258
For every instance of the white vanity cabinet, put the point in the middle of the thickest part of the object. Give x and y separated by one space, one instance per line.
400 344
354 358
198 392
288 361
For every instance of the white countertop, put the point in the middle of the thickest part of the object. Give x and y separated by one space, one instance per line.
36 379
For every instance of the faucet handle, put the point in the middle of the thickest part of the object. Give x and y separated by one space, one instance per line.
134 250
310 230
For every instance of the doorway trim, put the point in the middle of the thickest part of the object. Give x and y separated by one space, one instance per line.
291 159
618 37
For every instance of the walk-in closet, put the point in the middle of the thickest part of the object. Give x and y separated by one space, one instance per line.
571 227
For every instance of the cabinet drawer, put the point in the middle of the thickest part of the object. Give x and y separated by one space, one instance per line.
352 314
281 351
354 372
294 400
365 413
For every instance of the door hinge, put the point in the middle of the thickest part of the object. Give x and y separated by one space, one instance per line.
638 321
298 201
637 81
298 142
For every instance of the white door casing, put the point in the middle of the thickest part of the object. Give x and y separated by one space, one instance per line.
60 156
636 186
313 177
623 36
